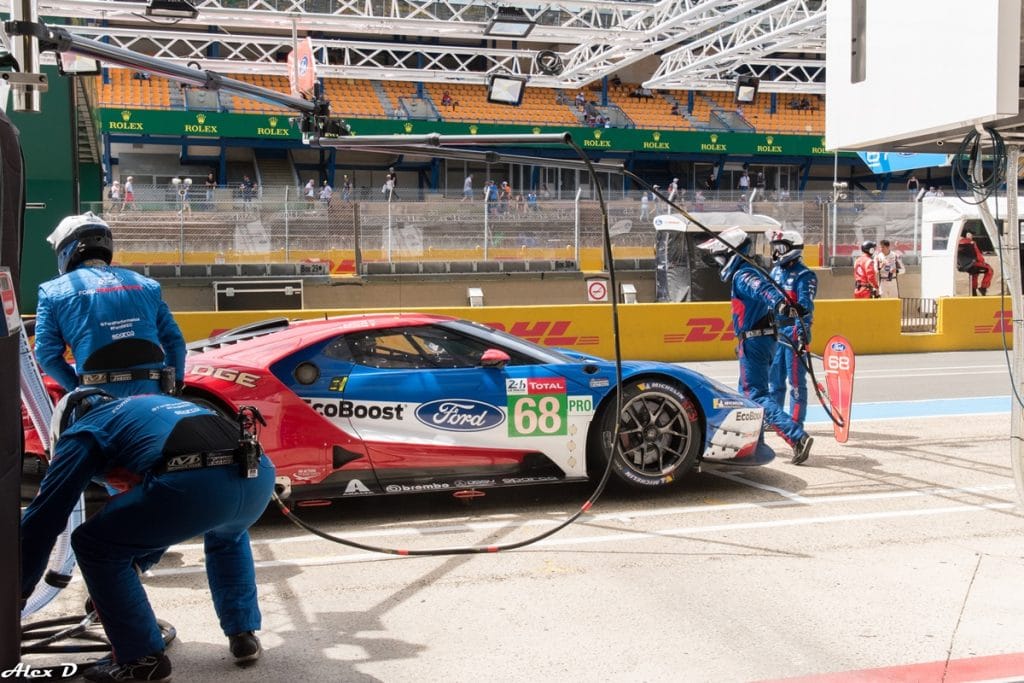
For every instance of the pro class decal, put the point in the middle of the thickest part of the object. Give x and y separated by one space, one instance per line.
340 408
540 406
460 415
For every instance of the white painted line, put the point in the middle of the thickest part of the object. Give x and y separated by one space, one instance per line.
393 532
623 537
795 497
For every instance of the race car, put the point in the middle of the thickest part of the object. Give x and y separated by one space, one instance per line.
392 403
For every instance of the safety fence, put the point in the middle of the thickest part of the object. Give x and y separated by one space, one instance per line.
348 235
918 315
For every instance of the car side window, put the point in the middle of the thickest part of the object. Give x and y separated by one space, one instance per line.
418 347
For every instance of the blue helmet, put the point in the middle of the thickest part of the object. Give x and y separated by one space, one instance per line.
787 246
80 238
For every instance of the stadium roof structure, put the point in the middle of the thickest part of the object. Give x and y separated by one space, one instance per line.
691 44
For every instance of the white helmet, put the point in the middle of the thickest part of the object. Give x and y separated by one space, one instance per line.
79 238
71 407
723 249
787 246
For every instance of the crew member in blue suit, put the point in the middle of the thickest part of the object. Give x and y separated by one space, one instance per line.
119 328
801 286
185 471
755 303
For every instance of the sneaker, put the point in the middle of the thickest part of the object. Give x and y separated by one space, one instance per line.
802 449
245 647
155 667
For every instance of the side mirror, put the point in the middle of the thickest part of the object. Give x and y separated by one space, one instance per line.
494 358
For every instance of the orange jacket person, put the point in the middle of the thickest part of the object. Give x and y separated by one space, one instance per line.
865 275
971 261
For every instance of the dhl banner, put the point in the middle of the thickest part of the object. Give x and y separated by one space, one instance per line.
692 331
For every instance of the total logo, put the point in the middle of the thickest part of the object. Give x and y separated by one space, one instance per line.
702 330
460 415
546 332
346 409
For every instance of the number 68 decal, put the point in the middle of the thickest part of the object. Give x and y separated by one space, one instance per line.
838 362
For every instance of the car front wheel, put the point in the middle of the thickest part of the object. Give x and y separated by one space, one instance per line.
659 436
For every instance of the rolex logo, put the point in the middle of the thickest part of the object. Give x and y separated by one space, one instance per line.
201 118
126 115
408 126
656 135
597 134
536 130
473 129
823 142
770 139
714 138
273 121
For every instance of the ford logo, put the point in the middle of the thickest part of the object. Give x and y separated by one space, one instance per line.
838 346
460 415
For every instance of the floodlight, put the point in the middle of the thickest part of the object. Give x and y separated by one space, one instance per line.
509 22
172 9
746 89
505 89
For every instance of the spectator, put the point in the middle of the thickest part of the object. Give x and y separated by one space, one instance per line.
388 188
183 186
673 191
467 188
504 197
970 260
913 186
698 201
446 99
491 197
392 178
932 192
531 200
545 194
760 182
581 99
744 183
709 182
520 203
889 266
115 195
309 192
129 194
644 207
211 185
326 192
346 189
248 188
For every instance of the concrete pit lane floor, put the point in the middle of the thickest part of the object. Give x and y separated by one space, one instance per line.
898 555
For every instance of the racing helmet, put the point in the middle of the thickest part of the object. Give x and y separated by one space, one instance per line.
724 247
868 246
80 238
787 246
73 406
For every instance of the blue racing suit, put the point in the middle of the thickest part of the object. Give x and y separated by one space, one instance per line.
801 286
113 319
124 441
754 300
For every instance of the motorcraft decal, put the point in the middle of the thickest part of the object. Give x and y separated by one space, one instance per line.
338 384
460 415
329 407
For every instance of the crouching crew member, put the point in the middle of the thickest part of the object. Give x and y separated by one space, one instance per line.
185 471
755 303
119 328
801 286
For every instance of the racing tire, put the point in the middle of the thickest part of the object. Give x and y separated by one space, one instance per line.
660 434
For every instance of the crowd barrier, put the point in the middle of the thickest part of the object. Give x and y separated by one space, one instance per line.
692 331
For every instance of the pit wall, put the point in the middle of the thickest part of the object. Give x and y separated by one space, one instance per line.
691 331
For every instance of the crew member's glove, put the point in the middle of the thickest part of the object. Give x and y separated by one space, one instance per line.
789 309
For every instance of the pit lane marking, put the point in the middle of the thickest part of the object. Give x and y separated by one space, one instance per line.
795 497
626 517
681 532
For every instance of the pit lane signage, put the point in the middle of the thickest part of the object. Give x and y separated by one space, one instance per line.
210 124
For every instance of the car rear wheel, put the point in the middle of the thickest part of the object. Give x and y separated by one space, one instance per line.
659 437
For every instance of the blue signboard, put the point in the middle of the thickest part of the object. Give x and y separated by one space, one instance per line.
890 162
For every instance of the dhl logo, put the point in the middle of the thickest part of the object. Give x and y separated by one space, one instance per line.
546 333
702 330
1004 323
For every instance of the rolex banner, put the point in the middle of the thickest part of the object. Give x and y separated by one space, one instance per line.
282 126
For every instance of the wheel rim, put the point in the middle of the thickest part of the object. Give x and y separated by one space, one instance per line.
654 433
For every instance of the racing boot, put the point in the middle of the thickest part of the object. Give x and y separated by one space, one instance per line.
155 668
982 290
802 449
245 648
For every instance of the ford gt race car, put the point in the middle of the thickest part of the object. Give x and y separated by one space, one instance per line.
395 403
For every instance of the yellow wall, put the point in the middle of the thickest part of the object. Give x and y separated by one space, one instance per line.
690 331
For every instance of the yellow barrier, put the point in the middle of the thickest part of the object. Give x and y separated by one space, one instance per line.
690 331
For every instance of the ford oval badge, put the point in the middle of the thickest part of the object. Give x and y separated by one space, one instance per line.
460 415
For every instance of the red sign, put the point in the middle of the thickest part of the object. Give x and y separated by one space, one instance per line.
302 69
839 366
553 385
545 332
597 290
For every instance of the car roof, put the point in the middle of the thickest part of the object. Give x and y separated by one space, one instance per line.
275 342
